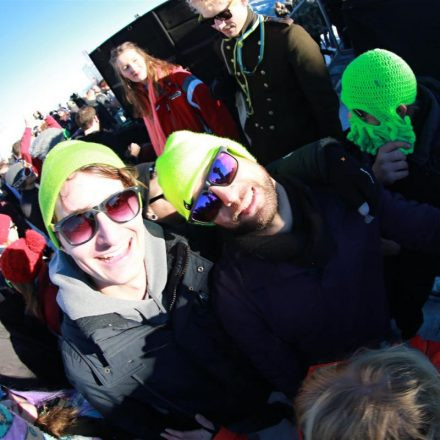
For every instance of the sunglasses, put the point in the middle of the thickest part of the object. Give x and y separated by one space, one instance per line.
221 173
79 228
224 15
21 177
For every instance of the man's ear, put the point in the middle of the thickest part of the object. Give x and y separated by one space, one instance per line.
402 110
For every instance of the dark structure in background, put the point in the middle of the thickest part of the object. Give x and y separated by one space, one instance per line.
410 28
170 31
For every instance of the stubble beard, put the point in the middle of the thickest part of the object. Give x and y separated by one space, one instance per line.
265 215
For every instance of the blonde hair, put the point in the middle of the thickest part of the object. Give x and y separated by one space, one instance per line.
387 394
156 69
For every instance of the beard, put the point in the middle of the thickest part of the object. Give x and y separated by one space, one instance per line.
265 215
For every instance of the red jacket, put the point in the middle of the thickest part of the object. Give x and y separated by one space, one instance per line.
174 109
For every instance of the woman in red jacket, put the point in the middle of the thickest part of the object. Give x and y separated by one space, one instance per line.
168 97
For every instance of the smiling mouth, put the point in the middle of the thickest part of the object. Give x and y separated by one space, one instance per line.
117 256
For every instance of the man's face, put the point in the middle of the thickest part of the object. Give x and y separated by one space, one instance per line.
249 203
115 254
230 27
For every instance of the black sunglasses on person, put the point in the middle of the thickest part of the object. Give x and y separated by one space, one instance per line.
224 15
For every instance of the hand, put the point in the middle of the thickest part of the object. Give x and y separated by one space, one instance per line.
134 149
353 182
197 434
391 164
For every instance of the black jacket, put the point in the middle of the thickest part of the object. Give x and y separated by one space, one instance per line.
147 376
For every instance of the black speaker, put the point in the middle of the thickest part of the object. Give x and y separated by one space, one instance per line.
171 31
409 28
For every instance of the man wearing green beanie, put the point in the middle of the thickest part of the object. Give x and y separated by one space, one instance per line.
395 128
138 335
301 278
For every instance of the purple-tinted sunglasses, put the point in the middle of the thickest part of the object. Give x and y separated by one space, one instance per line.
222 172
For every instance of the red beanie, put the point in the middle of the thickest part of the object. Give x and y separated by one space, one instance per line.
21 260
5 224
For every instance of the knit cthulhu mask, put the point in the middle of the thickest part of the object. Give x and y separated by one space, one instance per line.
378 82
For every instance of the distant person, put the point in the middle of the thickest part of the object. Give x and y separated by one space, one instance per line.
168 97
285 97
387 394
90 124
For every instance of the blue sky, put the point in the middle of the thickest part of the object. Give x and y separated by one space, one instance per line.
42 52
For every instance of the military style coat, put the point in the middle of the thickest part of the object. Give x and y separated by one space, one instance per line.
291 101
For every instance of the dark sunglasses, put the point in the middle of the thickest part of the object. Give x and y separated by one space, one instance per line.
224 15
21 177
79 228
222 172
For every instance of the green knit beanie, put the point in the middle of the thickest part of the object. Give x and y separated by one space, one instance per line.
63 160
377 82
185 159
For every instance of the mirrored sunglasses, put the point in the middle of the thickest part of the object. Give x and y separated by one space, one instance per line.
121 207
221 173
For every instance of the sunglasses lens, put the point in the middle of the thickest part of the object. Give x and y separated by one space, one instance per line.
221 16
223 170
225 15
123 207
78 229
206 208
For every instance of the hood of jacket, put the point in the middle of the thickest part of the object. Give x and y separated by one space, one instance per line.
78 298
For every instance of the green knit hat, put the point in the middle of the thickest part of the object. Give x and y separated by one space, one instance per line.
63 160
186 157
377 82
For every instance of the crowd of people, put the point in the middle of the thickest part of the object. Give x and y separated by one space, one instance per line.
248 273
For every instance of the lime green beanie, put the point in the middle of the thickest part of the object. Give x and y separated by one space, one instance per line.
377 82
186 157
63 160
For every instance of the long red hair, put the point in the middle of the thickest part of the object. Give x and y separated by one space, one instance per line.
135 93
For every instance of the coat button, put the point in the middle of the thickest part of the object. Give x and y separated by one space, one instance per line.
107 370
200 269
203 296
263 72
272 127
269 99
266 85
270 112
262 128
228 47
256 124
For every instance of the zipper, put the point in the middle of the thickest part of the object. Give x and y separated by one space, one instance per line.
181 248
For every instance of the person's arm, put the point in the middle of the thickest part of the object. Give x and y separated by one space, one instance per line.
411 224
213 111
327 162
52 122
25 143
311 72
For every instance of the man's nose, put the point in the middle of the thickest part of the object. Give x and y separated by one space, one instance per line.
227 194
219 24
108 230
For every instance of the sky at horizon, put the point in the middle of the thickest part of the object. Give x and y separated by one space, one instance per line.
42 59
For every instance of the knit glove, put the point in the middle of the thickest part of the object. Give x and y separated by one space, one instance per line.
354 182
